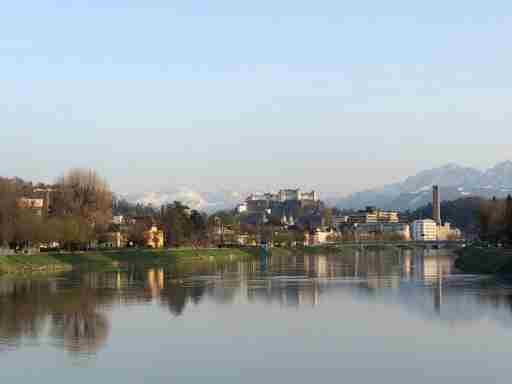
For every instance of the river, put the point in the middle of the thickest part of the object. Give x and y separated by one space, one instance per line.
383 316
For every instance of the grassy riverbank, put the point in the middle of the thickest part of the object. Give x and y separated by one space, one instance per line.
56 262
484 260
32 263
339 249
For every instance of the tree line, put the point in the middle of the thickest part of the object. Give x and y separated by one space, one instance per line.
489 220
462 213
77 209
496 220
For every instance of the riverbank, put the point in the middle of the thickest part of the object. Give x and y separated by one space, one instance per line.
40 263
484 260
338 249
59 262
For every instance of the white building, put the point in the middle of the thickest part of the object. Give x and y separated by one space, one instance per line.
284 195
424 230
447 232
241 208
297 195
118 220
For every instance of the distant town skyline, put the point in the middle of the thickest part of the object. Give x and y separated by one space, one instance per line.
218 96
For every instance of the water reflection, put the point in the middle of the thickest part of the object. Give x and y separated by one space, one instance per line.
73 312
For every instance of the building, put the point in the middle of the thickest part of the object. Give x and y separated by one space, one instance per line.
319 236
287 220
400 231
447 232
115 239
35 205
436 205
373 215
241 208
388 217
246 239
118 220
424 230
282 196
255 205
297 195
340 220
154 237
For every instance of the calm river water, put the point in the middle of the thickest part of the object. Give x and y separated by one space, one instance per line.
401 316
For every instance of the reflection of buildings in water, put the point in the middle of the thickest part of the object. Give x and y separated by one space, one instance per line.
155 282
436 264
426 265
315 266
429 266
309 295
407 265
287 292
375 281
438 294
311 266
78 313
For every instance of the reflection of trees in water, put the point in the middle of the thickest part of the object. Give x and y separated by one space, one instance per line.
22 314
176 299
26 306
190 282
80 332
177 296
76 306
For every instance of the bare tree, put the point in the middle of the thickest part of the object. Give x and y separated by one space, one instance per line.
83 193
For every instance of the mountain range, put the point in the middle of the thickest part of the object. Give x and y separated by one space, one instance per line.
201 201
455 181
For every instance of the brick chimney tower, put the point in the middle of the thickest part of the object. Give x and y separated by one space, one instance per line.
436 205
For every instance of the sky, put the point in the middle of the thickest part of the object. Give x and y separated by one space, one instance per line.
334 95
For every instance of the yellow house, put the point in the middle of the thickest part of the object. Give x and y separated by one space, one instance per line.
154 237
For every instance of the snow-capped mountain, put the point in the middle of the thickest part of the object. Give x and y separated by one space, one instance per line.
203 201
455 182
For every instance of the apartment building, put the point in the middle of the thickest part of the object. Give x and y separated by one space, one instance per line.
424 230
369 230
373 215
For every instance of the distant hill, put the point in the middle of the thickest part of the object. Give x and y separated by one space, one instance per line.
416 191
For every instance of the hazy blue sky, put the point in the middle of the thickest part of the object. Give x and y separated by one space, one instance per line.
336 95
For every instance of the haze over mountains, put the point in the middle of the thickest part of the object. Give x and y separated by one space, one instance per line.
203 201
455 181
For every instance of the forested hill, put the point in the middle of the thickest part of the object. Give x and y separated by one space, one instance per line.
463 213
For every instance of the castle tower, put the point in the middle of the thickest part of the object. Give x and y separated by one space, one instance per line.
436 205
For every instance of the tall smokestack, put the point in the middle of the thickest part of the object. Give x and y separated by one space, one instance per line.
436 205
